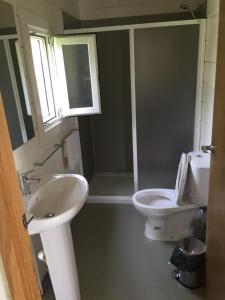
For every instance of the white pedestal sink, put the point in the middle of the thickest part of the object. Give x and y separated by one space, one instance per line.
53 206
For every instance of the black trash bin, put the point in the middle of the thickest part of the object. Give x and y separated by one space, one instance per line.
189 258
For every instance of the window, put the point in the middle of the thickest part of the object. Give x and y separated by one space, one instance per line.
78 73
43 77
66 75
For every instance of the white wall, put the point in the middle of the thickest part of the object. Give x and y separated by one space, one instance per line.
6 16
50 10
98 9
30 152
210 71
69 6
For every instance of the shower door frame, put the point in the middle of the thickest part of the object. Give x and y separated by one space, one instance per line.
199 86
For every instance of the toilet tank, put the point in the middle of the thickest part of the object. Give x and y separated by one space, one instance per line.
199 178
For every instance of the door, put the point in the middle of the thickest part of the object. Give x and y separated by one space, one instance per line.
215 256
166 68
15 246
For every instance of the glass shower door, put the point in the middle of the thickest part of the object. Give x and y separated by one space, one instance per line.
166 60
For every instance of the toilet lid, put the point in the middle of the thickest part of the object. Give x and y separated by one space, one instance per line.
181 178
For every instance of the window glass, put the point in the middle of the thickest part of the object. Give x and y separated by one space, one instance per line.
42 72
66 74
78 77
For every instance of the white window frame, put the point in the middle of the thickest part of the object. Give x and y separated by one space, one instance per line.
47 79
51 131
90 41
53 58
23 77
46 132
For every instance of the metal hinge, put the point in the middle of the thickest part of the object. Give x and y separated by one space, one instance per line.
50 40
210 148
27 218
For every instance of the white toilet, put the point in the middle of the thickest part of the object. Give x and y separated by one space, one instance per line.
169 213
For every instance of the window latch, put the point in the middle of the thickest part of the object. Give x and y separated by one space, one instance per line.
60 113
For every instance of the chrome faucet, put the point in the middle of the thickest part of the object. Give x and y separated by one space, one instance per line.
25 182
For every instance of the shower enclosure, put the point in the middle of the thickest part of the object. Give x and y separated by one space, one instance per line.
106 139
150 78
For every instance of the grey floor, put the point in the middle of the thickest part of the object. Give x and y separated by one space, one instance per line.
116 262
111 185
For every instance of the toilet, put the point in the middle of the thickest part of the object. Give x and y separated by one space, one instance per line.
169 213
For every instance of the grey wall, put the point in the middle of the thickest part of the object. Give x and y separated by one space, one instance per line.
140 19
112 130
166 70
70 22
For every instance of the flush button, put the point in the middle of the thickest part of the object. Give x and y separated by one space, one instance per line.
157 228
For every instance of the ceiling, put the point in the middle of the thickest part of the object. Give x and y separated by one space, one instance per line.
100 9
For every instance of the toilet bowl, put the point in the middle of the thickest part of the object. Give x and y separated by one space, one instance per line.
169 213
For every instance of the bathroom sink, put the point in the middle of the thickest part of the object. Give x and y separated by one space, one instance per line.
56 202
53 206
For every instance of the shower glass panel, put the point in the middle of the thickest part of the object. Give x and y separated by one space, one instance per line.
166 62
77 68
106 139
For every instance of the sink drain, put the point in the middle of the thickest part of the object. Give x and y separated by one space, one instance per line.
49 215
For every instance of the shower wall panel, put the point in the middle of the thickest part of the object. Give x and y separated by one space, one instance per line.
166 61
112 130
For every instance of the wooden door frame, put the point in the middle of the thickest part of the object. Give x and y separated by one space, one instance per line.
215 253
15 244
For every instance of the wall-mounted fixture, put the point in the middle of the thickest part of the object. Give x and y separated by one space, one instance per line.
186 7
26 182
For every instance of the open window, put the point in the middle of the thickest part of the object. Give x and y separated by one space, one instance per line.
77 68
66 71
43 77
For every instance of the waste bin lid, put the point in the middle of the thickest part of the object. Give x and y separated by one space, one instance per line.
192 246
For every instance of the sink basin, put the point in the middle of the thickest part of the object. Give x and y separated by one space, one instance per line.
56 202
53 206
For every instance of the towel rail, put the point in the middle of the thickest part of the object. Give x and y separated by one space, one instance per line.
58 146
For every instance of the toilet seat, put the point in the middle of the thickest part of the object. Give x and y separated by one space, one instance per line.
165 201
159 201
181 178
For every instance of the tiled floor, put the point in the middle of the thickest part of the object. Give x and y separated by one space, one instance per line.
116 262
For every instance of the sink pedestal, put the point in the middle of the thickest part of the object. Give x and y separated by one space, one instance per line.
60 257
